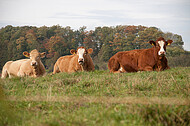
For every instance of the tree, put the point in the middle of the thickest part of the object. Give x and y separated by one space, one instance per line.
148 34
90 42
106 50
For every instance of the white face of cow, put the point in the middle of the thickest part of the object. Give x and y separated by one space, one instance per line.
160 45
162 51
81 52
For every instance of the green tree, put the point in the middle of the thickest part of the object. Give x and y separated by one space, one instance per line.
106 50
148 34
177 39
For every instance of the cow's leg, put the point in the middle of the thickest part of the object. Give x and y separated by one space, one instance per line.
147 68
121 70
115 71
10 76
56 69
73 70
21 74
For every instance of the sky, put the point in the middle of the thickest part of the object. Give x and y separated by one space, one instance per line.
168 15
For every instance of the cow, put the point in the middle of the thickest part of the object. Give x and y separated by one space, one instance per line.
80 60
25 67
140 59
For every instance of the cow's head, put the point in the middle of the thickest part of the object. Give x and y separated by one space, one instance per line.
34 56
161 44
82 53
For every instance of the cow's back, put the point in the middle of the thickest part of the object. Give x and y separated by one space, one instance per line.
147 59
7 65
62 64
129 60
126 61
14 67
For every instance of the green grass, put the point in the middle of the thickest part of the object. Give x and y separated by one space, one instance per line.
98 98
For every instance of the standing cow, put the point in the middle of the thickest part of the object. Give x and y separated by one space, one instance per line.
80 60
141 59
25 67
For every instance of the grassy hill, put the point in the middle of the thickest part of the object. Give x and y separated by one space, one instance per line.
98 98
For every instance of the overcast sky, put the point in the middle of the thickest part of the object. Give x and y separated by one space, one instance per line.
168 15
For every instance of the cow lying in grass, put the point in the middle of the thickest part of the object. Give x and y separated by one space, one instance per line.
25 67
80 60
141 59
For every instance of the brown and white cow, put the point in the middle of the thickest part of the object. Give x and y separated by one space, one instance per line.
25 67
141 59
80 60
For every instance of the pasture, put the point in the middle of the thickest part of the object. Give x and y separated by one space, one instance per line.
97 98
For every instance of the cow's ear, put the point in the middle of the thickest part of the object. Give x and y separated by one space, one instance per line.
90 51
26 54
152 43
72 51
169 42
42 55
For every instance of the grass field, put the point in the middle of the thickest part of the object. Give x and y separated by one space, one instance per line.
97 98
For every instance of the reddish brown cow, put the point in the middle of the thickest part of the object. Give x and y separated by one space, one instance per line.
141 59
79 61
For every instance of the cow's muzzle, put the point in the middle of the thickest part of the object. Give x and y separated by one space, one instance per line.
161 53
33 63
81 61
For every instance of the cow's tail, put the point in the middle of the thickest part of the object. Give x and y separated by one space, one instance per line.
56 69
113 65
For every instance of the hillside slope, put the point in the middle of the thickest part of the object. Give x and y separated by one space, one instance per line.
98 98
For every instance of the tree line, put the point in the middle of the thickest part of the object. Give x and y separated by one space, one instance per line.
57 41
